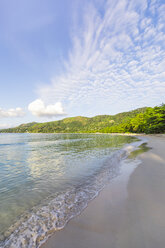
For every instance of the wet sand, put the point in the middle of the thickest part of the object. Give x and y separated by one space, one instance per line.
128 213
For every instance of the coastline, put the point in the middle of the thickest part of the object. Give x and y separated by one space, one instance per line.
129 211
33 227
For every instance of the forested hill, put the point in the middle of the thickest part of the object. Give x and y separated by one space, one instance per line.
142 120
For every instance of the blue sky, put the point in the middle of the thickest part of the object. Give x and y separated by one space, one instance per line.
63 58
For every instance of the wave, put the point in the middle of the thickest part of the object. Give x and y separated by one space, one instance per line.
35 227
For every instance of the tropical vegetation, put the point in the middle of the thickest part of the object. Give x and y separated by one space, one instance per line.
141 120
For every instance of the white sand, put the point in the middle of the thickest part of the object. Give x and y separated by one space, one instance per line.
128 213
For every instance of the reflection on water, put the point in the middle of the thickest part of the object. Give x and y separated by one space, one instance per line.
36 166
141 149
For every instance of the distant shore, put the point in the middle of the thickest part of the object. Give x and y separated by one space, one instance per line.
128 213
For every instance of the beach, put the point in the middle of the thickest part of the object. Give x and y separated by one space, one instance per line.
128 212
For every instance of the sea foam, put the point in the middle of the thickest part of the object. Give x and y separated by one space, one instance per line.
37 225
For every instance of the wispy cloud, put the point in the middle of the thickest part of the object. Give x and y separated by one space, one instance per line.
18 112
38 108
117 59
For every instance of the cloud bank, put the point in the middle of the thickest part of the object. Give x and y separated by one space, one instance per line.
18 112
117 59
38 108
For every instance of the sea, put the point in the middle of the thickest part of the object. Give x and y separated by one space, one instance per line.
47 179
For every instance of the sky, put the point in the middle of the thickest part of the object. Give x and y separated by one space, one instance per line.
62 58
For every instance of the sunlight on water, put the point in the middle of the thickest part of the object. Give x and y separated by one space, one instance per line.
37 167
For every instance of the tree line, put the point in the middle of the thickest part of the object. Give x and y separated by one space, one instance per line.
142 120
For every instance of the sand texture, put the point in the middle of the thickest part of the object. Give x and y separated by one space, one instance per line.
128 213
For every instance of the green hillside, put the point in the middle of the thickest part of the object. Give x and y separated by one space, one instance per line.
147 120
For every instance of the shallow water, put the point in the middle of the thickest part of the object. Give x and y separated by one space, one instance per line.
45 179
141 149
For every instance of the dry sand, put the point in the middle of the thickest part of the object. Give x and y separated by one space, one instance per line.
128 213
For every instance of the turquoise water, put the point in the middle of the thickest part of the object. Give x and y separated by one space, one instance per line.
40 173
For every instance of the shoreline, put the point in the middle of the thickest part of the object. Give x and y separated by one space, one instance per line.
33 229
129 134
124 213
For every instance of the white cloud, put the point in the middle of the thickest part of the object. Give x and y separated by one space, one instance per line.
5 125
116 60
18 112
38 108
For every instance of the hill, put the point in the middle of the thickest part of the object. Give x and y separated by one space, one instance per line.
148 120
